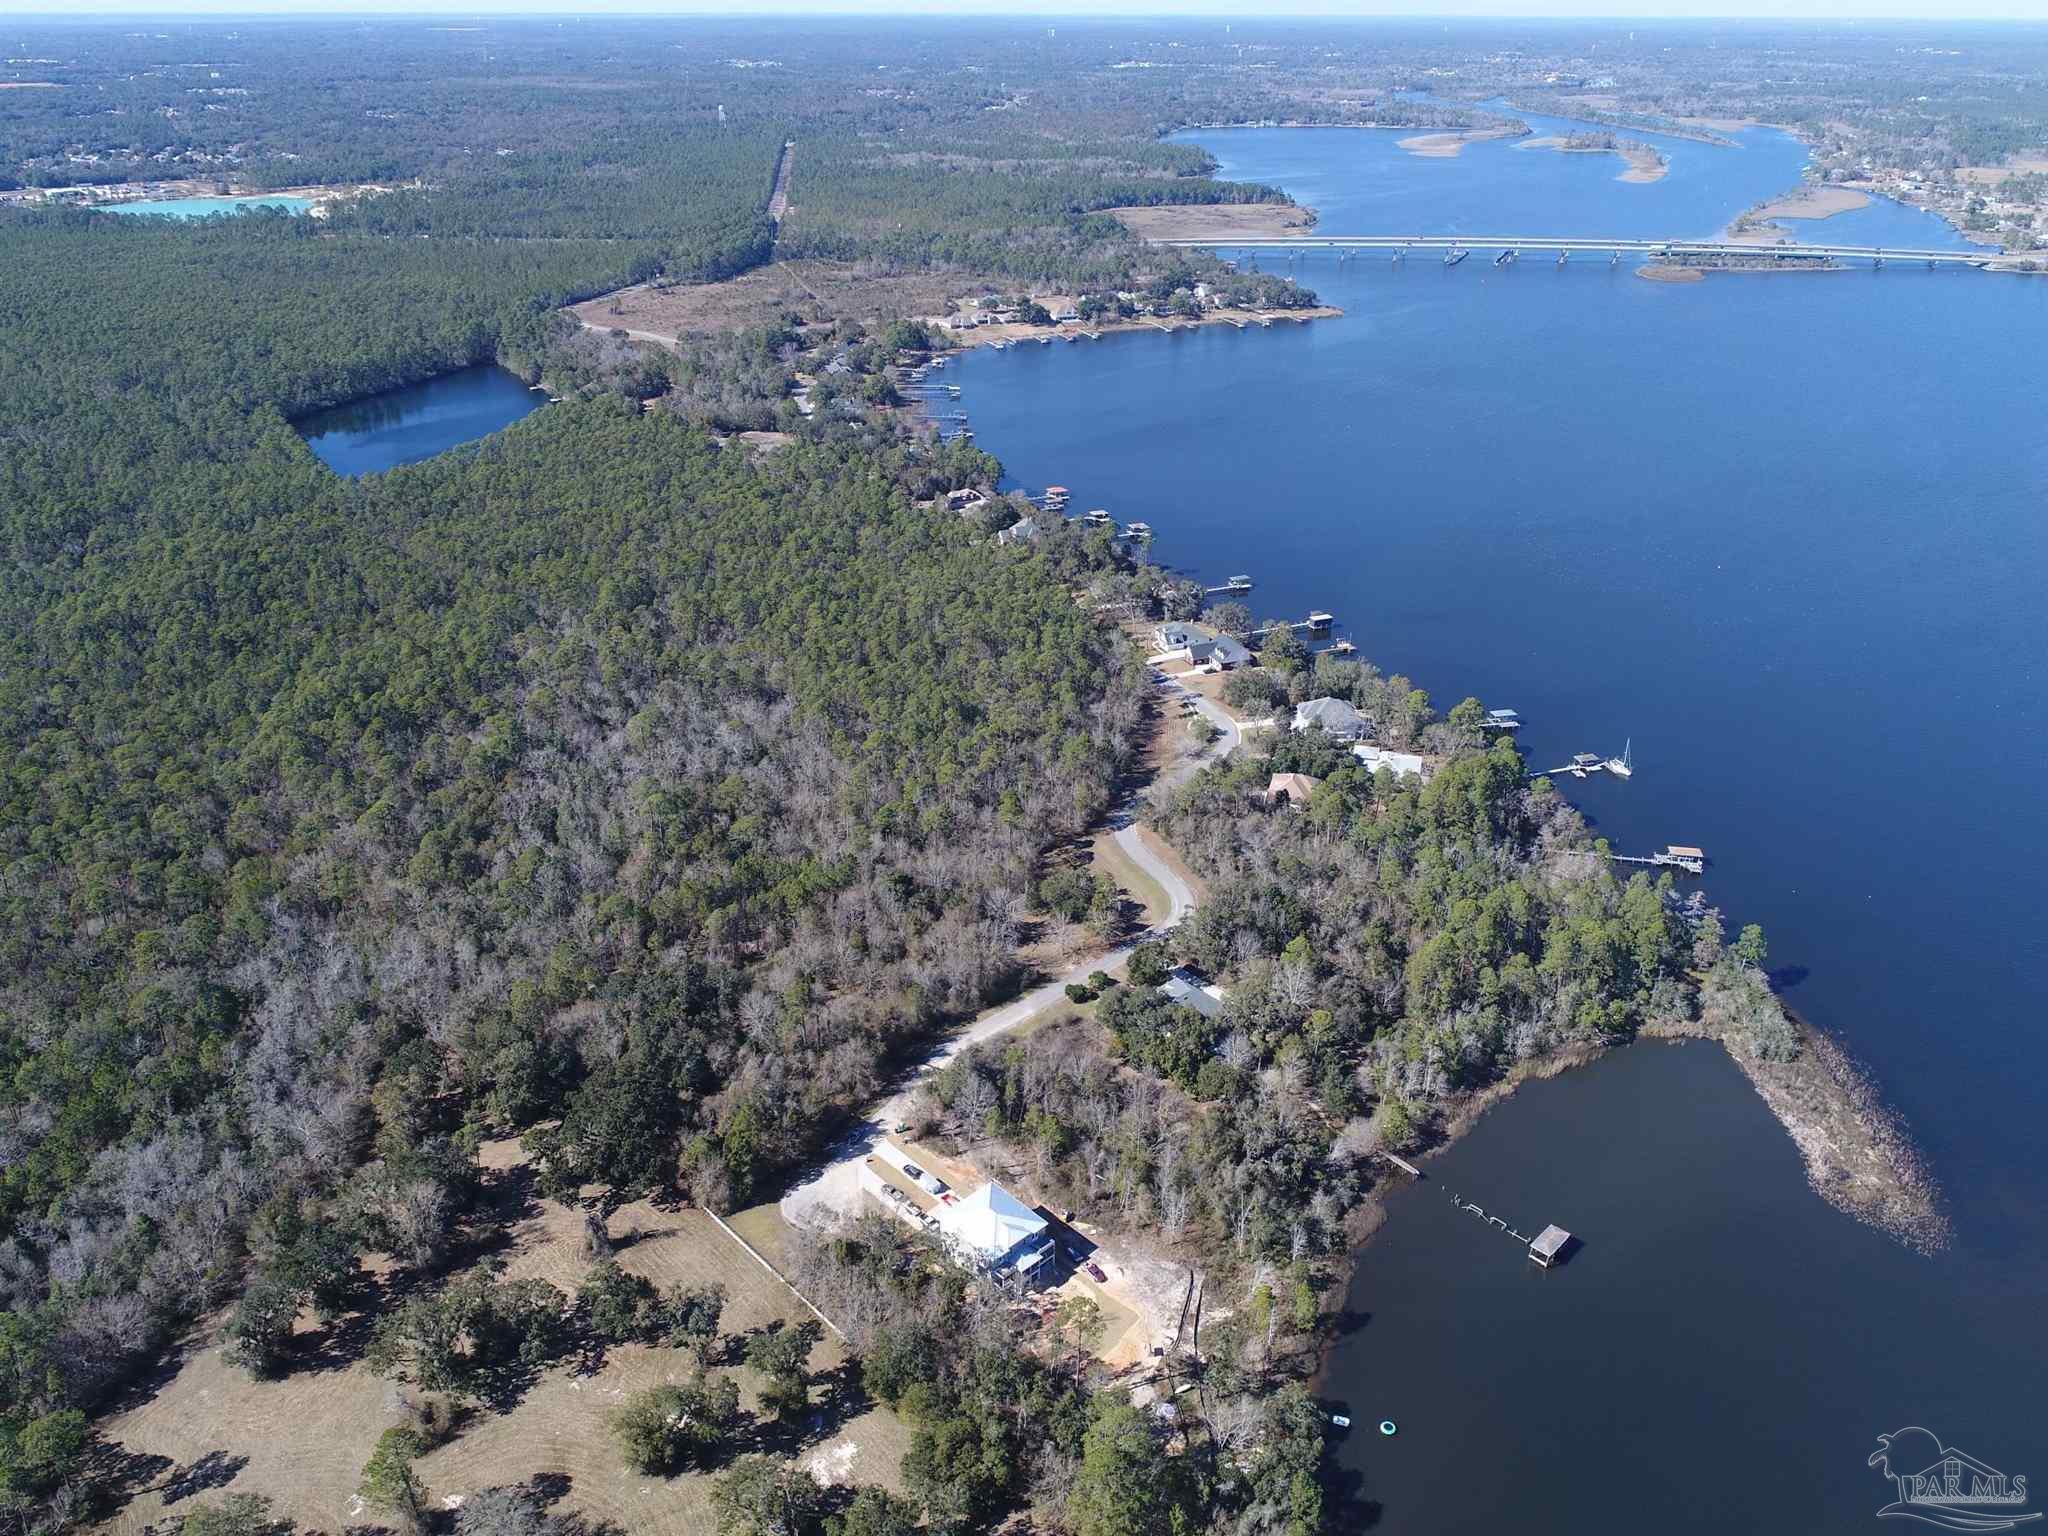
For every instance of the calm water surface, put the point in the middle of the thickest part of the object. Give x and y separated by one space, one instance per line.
403 426
1790 534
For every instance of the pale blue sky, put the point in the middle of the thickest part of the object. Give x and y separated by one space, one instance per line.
1516 10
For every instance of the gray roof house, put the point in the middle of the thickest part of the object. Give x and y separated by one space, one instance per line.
1228 652
1340 722
1203 646
1190 991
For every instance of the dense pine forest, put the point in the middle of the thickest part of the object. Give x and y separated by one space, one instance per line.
600 778
645 797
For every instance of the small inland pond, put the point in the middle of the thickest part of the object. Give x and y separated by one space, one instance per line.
403 426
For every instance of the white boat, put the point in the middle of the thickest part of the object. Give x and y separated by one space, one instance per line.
1624 765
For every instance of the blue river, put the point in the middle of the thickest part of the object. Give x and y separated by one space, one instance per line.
1788 534
403 426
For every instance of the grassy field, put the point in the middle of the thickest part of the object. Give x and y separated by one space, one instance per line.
1215 221
763 296
1106 858
303 1440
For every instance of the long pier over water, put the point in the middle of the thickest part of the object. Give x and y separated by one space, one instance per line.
1566 246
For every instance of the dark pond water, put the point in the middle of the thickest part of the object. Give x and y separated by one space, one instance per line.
1790 535
403 426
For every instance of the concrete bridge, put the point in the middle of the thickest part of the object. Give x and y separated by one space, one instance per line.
1499 247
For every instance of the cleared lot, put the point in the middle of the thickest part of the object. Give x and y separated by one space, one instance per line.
303 1440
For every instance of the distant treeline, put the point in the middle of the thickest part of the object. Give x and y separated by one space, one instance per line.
659 132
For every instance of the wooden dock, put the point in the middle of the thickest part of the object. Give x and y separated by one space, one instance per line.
1581 764
1314 624
1492 1221
1545 1248
1677 856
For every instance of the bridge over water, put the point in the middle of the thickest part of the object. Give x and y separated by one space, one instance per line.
1507 247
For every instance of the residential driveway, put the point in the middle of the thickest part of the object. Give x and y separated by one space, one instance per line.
1180 901
835 1188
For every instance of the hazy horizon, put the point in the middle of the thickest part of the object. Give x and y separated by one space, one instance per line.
1846 12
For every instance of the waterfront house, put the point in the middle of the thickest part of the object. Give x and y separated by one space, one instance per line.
1403 764
1339 721
1228 652
996 1231
1023 531
1200 646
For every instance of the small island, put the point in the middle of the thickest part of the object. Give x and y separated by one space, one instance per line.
1645 163
1759 226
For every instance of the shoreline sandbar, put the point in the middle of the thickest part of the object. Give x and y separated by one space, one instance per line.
1451 143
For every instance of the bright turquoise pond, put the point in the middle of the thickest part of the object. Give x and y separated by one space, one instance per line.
200 207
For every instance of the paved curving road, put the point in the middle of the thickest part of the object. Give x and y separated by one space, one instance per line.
833 1188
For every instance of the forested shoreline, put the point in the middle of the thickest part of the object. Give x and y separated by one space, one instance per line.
598 784
643 798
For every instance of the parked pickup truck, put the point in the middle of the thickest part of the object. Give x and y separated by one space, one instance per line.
931 1183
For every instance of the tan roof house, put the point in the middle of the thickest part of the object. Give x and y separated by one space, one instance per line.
1293 789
